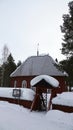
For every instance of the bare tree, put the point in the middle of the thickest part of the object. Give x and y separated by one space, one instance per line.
5 53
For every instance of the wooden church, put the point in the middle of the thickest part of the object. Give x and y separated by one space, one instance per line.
35 66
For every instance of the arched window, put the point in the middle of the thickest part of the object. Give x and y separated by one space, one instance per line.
24 84
15 84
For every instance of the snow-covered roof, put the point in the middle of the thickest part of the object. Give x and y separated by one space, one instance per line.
37 65
64 99
26 93
50 80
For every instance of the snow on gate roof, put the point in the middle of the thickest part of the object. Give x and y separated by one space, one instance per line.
37 65
50 80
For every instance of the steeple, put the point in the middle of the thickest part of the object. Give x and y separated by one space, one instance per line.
38 49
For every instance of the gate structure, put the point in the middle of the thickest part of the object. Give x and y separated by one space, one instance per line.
42 83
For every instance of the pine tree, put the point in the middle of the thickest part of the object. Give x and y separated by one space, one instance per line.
67 45
67 30
9 67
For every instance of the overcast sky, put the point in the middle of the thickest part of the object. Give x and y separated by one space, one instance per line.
25 23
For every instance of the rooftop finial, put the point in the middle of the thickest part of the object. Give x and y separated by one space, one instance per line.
38 49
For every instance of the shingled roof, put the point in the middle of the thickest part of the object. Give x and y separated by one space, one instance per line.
37 65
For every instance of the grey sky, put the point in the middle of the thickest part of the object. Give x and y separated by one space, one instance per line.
25 23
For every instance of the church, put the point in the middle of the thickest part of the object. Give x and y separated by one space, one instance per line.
34 66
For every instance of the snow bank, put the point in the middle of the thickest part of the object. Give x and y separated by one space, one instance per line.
65 99
52 81
60 117
26 94
15 117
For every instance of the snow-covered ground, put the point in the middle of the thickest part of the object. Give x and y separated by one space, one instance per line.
15 117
